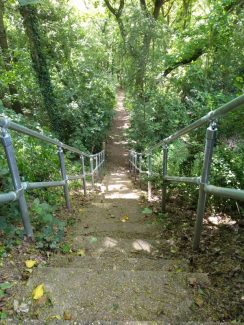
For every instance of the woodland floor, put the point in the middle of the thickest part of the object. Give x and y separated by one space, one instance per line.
221 256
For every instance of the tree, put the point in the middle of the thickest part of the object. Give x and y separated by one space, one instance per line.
6 57
39 61
141 54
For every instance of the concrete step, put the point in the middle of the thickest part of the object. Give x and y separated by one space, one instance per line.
116 295
112 211
114 322
119 263
116 246
120 230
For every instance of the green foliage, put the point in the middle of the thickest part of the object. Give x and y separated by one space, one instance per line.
147 211
3 315
3 287
49 230
65 248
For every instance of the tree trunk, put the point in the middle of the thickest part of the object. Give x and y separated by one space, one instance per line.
142 62
40 66
15 103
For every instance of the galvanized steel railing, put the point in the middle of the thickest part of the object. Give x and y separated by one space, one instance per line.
136 158
96 162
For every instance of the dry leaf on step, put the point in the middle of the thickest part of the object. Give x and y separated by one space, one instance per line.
81 252
198 301
67 315
38 292
30 263
124 218
55 317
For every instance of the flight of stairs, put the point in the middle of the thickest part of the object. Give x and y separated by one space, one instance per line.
115 274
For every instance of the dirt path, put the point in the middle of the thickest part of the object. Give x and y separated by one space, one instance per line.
117 183
116 144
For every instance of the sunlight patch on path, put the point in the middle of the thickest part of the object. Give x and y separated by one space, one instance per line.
119 186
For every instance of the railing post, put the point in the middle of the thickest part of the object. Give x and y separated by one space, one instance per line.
92 171
140 166
149 172
209 145
164 173
131 165
12 164
64 176
135 167
103 159
129 160
97 167
83 173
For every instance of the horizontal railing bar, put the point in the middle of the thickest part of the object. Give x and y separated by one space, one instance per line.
234 104
8 197
75 177
225 192
74 150
182 179
6 123
34 185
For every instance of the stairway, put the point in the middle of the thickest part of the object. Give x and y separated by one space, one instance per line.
118 275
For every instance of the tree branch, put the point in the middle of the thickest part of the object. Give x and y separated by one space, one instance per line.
143 5
185 61
121 7
116 12
157 6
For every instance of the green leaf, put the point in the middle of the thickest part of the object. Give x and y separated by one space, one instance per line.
65 248
3 315
47 218
147 211
28 2
5 285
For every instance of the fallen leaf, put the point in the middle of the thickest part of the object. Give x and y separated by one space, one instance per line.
198 301
55 317
67 315
81 252
38 292
30 263
124 218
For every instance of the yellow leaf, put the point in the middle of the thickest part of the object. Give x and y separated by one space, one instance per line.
55 317
198 301
124 218
38 292
30 263
81 252
67 315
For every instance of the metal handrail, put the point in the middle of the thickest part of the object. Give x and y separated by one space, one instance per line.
135 164
8 124
21 187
